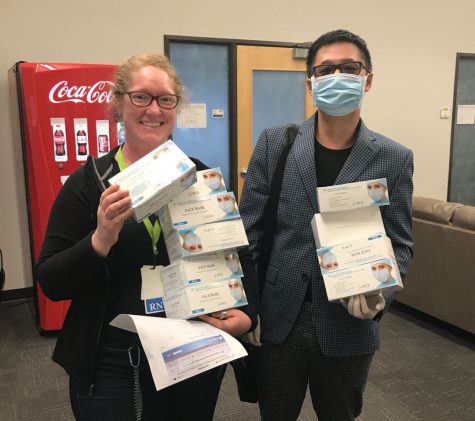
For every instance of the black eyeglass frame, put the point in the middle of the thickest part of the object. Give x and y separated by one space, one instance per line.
339 66
152 98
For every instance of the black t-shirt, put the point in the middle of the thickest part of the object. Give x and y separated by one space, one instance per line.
328 163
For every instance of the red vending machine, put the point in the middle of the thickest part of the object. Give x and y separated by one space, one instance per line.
63 118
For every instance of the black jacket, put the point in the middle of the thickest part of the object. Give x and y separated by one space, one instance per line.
69 269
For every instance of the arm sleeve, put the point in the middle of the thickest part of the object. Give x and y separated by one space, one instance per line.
398 219
251 285
67 265
255 194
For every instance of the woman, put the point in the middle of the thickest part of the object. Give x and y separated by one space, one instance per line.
93 253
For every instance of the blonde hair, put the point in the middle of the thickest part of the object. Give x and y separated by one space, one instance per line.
124 72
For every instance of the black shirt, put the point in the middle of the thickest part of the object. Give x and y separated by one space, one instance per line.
328 163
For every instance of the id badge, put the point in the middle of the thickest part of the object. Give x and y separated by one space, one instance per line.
152 289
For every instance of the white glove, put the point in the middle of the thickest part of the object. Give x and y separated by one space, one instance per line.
253 337
363 307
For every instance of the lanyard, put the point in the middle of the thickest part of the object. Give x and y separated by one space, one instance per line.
153 230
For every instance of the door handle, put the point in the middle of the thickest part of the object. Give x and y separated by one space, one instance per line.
243 172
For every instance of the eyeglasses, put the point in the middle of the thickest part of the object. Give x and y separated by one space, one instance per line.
142 99
351 67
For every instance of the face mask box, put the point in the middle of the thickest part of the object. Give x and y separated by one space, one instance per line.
196 270
339 227
182 213
208 238
208 182
195 300
156 179
362 266
361 194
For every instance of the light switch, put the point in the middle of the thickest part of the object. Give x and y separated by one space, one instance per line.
444 113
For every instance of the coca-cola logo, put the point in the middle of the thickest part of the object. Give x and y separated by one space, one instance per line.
100 92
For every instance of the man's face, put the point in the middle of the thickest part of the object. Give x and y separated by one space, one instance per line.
211 175
328 261
376 186
380 266
338 53
381 271
230 257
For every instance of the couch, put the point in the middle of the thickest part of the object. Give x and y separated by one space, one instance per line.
441 278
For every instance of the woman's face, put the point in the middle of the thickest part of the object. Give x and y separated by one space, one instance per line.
148 127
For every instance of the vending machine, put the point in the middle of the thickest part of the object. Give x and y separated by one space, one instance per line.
63 117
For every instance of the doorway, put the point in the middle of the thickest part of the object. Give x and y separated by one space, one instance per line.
265 86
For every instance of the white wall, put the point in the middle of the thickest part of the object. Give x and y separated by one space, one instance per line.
413 44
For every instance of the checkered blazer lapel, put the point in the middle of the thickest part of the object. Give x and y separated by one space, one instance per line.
364 150
304 154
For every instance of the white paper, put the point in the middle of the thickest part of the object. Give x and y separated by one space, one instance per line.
344 197
466 114
192 116
338 227
179 349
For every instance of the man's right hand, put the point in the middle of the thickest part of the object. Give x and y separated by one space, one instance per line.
362 307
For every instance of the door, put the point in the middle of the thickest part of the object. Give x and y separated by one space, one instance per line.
242 87
204 70
271 90
462 150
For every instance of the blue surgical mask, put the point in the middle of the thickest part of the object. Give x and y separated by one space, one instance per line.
232 265
213 183
227 207
381 275
328 258
237 294
376 194
338 94
192 239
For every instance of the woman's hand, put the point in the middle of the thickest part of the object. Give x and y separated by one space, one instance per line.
114 208
236 322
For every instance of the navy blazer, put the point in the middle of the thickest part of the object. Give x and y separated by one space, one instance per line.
293 262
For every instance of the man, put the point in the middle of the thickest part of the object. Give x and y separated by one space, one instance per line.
377 193
214 181
307 340
382 273
227 203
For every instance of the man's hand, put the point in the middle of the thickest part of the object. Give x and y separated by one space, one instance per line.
363 307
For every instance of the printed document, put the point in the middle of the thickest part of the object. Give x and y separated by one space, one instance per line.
179 349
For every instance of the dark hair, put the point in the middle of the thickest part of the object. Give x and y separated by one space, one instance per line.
332 37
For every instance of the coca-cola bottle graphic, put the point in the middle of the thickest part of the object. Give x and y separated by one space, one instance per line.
103 142
81 139
59 142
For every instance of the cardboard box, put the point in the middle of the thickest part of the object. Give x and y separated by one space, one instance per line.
339 227
208 182
195 300
363 266
156 178
206 268
182 213
208 238
349 196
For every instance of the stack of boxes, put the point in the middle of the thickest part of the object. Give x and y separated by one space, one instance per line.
156 178
354 253
202 230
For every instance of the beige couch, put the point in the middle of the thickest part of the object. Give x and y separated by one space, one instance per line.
441 279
